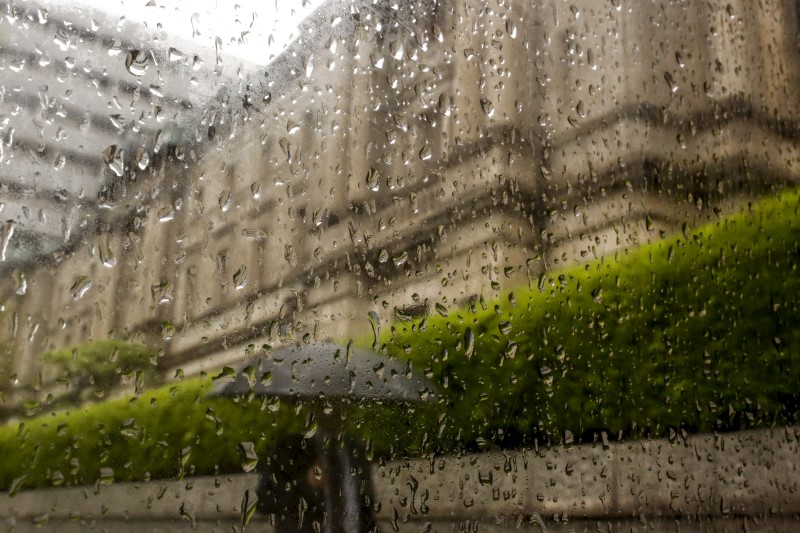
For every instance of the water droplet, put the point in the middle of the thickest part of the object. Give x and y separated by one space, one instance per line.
255 234
136 62
167 330
311 430
176 55
142 158
597 295
442 310
373 179
115 47
107 256
249 507
670 82
444 105
57 478
114 157
425 152
20 283
400 259
16 485
290 254
396 50
106 476
80 286
158 141
62 39
511 28
504 327
487 106
167 215
308 64
331 45
377 59
240 278
438 34
6 232
227 374
469 343
511 350
224 200
129 429
375 322
247 452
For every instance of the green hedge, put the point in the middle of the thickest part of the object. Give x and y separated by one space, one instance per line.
697 332
101 365
173 431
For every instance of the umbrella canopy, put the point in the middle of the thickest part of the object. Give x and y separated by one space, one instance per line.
326 370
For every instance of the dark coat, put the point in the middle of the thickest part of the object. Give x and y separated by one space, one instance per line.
293 479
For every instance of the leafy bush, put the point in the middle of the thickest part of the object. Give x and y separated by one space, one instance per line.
697 332
101 364
175 430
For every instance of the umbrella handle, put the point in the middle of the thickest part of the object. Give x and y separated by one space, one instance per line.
327 488
351 504
341 490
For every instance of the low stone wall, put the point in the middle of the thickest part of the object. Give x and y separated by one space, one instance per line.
737 479
752 474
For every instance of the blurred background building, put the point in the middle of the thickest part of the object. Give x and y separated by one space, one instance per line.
401 158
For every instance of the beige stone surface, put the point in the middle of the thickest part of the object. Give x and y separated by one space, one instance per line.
696 481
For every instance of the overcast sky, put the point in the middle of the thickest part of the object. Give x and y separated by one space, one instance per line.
254 31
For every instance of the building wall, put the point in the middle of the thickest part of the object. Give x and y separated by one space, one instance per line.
425 155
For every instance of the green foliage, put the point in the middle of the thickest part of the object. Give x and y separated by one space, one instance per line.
698 332
172 431
101 364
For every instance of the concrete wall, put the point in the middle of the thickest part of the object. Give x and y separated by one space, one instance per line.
748 479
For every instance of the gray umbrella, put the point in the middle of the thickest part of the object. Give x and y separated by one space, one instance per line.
326 370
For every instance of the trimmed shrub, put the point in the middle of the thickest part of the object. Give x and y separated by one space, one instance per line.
697 332
101 365
173 431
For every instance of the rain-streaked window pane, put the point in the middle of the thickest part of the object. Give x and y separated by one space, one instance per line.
358 265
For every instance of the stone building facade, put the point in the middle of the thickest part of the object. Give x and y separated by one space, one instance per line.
407 157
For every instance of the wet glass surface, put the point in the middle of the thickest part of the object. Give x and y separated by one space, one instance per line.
352 265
